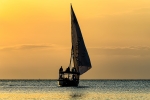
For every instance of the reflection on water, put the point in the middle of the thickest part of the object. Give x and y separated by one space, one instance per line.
83 87
78 93
64 96
77 96
87 90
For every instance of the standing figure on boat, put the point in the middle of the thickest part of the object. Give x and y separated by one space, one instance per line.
68 69
60 74
73 69
61 69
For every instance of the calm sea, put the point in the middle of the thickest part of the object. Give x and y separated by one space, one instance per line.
87 90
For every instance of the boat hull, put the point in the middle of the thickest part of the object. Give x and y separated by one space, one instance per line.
63 82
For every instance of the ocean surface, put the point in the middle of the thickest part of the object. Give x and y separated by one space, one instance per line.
87 90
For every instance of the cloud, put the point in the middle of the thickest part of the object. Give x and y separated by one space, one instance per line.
130 51
33 46
118 51
130 62
27 47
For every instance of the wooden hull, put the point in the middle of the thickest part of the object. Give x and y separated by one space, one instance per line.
63 82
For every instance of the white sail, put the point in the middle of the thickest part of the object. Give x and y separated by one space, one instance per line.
80 55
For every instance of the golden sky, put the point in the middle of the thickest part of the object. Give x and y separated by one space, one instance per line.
35 38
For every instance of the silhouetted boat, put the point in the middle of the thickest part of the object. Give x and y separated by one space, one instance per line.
79 55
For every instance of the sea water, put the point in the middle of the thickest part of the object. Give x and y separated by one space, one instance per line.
87 90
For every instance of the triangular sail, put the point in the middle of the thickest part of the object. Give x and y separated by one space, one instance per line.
80 55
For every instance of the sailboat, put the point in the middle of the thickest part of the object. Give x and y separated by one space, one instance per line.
79 55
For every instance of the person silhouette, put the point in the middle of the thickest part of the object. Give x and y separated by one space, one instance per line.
73 69
61 69
68 69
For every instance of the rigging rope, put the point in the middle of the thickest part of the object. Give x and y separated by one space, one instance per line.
70 58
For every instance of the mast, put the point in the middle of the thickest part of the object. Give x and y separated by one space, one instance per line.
80 55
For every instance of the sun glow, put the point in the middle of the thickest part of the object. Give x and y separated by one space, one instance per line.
116 33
